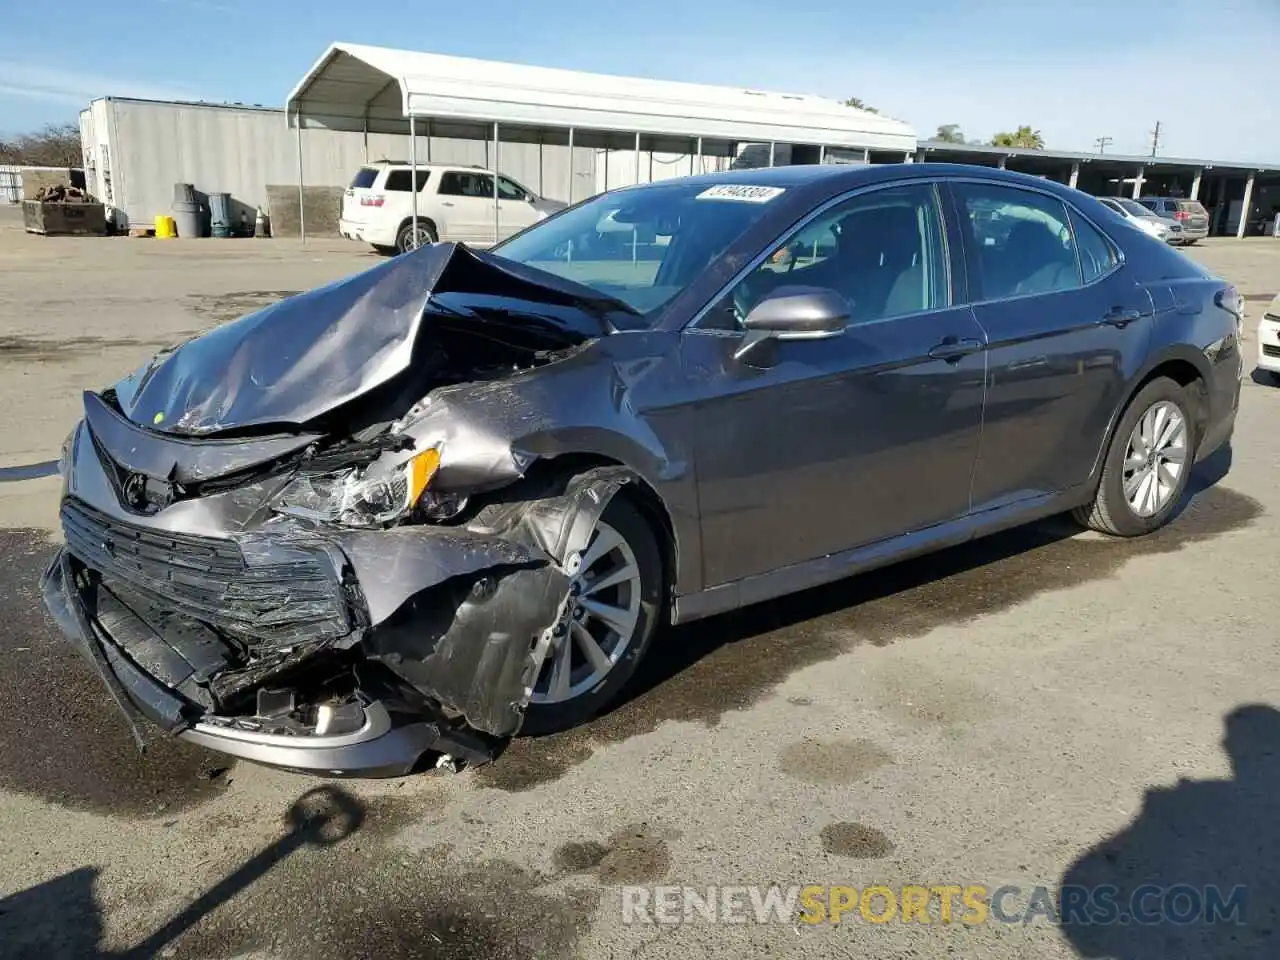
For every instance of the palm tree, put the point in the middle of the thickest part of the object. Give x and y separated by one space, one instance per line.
1022 137
857 104
949 133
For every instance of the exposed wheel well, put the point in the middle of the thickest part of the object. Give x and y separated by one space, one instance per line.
1181 372
1184 374
640 492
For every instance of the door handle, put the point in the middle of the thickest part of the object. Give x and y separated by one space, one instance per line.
446 203
1120 317
952 349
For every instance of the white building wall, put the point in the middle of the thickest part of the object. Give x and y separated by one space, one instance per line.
140 149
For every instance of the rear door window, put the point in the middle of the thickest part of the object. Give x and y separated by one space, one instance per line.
364 178
402 180
464 183
1149 203
1193 206
1020 241
1097 255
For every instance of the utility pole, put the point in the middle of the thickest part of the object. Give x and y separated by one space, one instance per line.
1102 142
1155 138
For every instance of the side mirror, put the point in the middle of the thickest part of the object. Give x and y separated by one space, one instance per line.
795 313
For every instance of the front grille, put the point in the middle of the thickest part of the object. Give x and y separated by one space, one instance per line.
1270 350
207 579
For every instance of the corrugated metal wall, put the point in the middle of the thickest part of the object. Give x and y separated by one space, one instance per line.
140 149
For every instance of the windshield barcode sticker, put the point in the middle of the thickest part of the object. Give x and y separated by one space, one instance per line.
741 193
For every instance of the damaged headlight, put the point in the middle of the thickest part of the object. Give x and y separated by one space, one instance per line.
359 497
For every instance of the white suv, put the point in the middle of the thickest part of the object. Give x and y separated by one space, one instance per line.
454 203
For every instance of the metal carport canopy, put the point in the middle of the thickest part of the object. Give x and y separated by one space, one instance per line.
374 89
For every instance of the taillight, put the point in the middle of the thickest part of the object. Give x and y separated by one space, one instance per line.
1182 215
374 201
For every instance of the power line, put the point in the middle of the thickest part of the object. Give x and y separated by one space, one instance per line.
1101 143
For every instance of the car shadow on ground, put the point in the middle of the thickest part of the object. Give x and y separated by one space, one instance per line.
61 918
691 643
1193 877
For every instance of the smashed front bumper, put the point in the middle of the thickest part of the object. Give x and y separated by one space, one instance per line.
438 632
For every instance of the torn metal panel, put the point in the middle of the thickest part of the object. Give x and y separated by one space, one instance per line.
305 356
393 565
475 643
142 451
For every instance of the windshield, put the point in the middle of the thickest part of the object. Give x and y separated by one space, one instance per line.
642 245
1133 207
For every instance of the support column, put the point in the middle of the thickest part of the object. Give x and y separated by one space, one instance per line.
822 153
302 213
772 146
699 155
1002 162
1139 180
497 227
1075 175
413 176
637 157
1245 208
572 169
908 157
1195 184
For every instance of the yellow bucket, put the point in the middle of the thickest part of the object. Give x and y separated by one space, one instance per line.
165 228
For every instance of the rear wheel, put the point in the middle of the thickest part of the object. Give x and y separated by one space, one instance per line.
1148 463
405 238
617 594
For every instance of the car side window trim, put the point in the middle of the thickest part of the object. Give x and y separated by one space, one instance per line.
970 254
694 324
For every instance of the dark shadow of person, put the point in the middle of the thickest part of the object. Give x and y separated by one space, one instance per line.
1195 875
57 919
62 920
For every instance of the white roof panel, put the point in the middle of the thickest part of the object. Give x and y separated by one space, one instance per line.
351 86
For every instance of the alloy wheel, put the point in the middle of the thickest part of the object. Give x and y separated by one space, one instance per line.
603 614
1155 458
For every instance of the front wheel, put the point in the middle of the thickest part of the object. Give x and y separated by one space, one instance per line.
616 597
1148 463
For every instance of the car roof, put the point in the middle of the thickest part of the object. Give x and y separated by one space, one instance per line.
427 166
839 177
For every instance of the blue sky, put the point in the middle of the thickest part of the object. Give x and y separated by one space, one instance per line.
1075 69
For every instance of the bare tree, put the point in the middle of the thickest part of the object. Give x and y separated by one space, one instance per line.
55 145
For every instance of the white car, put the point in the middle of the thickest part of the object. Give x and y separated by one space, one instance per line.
1269 339
454 203
1170 231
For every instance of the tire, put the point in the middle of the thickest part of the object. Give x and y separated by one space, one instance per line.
404 239
624 519
1111 511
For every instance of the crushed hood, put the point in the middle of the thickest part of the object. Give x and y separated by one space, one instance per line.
308 355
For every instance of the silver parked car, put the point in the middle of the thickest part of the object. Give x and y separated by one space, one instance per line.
1193 217
1170 231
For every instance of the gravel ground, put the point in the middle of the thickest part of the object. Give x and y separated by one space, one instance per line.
1040 708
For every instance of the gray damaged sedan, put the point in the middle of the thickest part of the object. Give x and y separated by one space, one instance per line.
403 517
